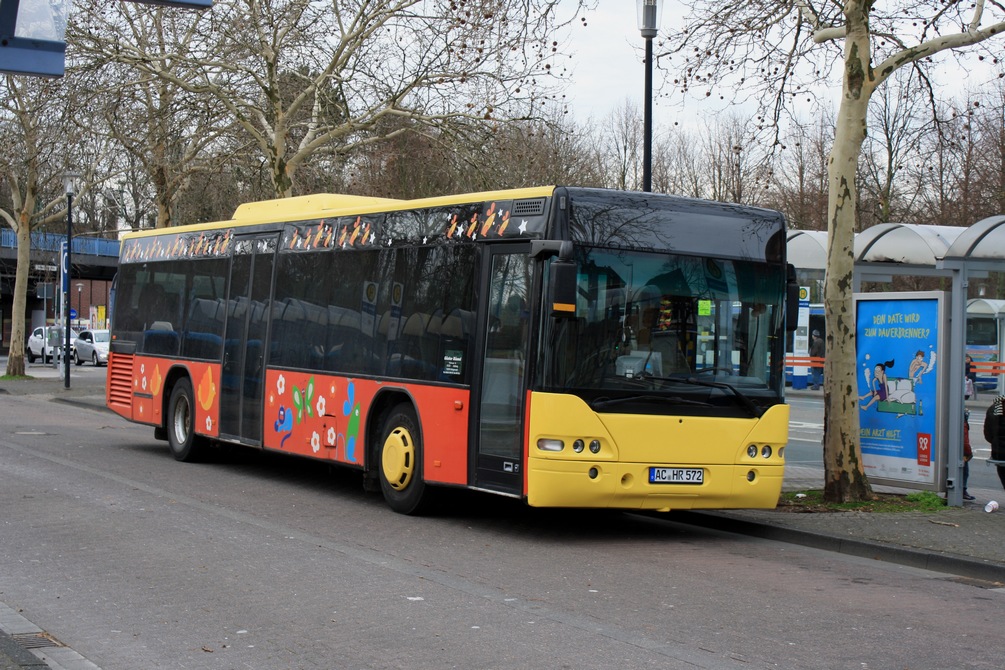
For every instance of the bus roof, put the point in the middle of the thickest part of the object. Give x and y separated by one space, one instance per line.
332 204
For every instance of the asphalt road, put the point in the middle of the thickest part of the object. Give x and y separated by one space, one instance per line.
251 561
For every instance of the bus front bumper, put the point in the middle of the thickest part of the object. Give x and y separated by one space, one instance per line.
561 483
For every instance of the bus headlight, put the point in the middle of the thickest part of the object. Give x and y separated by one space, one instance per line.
545 444
752 451
766 451
595 446
578 446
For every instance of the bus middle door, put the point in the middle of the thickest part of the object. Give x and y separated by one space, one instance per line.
502 382
249 307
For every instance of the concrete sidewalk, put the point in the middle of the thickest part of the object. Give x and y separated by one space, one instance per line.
967 541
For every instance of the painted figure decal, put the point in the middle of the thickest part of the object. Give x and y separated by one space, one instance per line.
304 423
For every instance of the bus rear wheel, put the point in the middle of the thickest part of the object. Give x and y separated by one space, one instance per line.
400 462
185 444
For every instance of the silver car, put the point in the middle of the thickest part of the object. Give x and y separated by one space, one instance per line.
91 345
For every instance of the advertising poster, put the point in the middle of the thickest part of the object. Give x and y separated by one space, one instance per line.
898 362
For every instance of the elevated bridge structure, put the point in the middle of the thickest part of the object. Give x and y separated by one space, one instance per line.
93 262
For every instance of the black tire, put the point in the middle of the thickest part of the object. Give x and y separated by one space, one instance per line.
94 358
185 445
399 462
77 359
31 356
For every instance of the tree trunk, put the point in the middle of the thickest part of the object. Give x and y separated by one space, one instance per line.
15 359
844 474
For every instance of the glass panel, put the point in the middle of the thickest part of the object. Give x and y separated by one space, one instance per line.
502 396
254 354
659 322
233 349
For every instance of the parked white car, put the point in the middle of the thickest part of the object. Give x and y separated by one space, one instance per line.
91 345
45 340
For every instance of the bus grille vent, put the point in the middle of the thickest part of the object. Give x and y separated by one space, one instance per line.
120 380
531 207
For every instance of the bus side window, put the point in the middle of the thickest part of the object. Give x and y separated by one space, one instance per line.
159 336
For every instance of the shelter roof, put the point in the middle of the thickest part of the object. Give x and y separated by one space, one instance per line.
981 246
985 306
905 243
982 243
807 249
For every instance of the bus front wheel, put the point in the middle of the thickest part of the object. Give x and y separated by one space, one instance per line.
185 444
400 462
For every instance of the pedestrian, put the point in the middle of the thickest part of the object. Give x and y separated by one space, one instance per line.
968 454
971 375
817 369
994 433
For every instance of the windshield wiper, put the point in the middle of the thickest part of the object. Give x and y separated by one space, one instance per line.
604 401
740 398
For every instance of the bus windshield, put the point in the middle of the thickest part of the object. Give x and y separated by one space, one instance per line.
699 331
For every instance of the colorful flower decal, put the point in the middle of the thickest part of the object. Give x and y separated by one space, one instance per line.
352 411
207 390
284 425
156 381
315 442
302 400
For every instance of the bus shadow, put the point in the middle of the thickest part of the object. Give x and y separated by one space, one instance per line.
449 506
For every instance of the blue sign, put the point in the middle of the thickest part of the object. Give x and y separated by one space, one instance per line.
64 264
34 31
73 313
897 356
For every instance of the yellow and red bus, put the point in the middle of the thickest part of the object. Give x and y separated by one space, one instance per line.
570 347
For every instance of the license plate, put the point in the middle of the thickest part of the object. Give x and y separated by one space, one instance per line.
676 476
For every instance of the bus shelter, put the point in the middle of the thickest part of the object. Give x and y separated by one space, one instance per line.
954 252
987 318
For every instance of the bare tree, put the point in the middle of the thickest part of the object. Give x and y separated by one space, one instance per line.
785 48
301 76
33 132
800 175
172 133
679 165
621 139
900 124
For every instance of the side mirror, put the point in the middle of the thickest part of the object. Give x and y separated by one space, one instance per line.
562 289
791 300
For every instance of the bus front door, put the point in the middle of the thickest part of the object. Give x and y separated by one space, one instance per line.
499 443
249 307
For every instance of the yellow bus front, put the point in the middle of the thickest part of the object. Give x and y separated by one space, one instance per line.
578 457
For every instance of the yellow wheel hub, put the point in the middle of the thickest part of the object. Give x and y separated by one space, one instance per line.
398 458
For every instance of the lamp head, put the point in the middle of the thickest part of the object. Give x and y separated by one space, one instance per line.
70 178
649 17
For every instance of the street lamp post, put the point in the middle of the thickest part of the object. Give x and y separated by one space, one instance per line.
80 287
649 20
69 186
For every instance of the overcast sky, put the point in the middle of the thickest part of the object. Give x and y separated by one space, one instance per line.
607 67
607 61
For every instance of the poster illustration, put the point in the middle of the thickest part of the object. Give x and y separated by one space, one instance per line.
898 362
